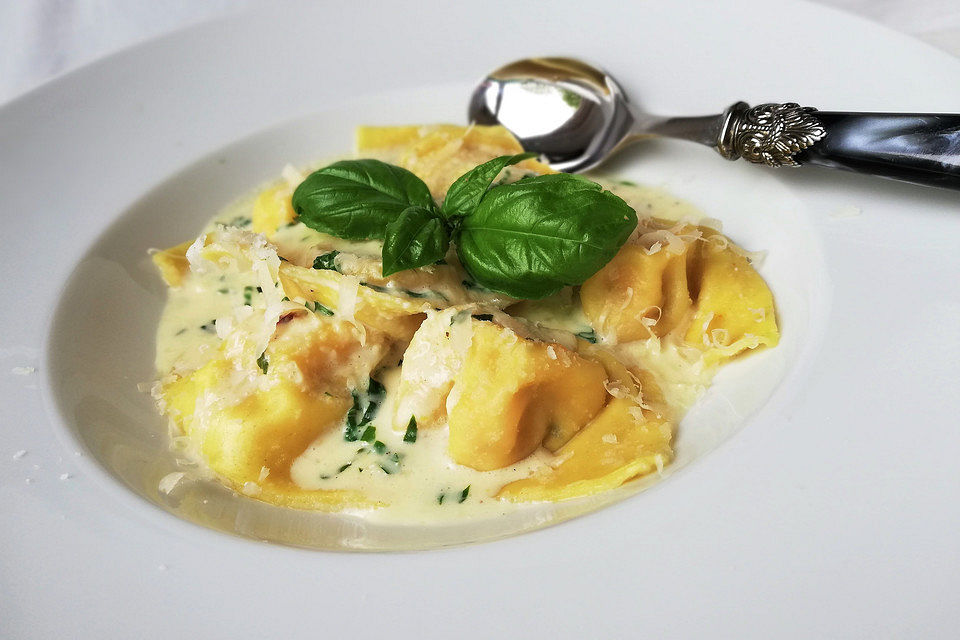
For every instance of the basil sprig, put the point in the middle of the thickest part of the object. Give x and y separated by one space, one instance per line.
527 239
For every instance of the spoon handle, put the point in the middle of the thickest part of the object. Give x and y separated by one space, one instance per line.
919 148
913 147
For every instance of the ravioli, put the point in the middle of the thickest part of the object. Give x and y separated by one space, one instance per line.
683 279
439 154
301 376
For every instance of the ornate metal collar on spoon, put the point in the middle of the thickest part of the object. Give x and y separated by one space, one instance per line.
576 115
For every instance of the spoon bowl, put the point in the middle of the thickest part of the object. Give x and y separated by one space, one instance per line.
569 112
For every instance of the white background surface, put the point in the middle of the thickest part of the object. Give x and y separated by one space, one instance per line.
42 38
837 517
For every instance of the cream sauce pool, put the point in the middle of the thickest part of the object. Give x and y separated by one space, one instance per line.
427 485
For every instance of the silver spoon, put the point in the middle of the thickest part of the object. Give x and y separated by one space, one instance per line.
576 116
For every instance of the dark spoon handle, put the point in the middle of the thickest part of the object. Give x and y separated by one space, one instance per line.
923 148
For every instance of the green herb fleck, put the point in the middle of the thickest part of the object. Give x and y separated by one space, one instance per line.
375 395
263 361
441 497
362 413
464 494
459 316
379 448
353 429
391 464
375 389
326 261
210 327
411 433
223 290
483 316
589 335
344 467
248 295
317 307
422 294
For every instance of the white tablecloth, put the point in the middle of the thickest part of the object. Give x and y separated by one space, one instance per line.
42 38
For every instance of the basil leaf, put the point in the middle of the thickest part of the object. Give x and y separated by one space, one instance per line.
356 199
530 239
465 194
415 238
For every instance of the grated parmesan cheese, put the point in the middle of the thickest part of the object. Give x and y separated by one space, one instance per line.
654 248
170 481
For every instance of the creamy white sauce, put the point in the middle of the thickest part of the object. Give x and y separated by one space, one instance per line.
678 369
652 202
425 484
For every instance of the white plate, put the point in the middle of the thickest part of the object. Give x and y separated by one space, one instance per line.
834 512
